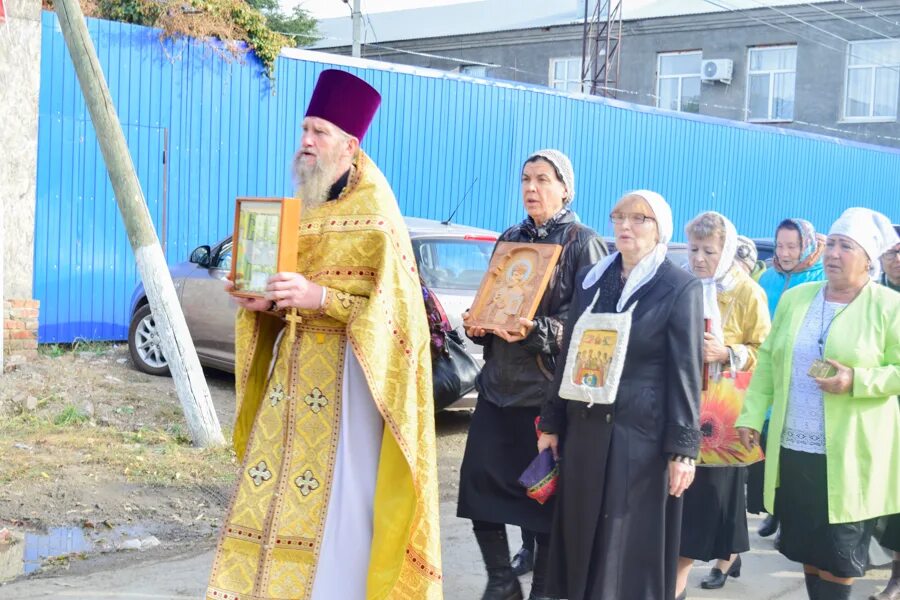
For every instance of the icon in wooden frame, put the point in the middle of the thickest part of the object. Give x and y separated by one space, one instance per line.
264 242
513 285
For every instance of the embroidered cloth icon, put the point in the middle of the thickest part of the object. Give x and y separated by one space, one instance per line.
316 400
260 473
307 483
276 395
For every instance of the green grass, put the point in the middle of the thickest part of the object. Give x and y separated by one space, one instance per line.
71 415
58 350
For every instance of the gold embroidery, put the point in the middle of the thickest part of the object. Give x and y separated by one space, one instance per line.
260 473
346 300
316 400
276 395
307 483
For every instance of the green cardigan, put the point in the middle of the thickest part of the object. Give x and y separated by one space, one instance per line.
862 429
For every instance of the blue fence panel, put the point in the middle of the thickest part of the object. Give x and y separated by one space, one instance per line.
203 130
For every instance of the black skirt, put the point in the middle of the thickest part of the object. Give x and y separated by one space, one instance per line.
714 519
801 504
890 538
501 443
756 480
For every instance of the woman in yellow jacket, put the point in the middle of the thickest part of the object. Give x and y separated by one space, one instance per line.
830 371
714 518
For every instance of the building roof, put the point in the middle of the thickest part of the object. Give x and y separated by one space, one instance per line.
484 16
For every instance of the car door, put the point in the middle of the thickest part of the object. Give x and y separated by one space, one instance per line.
209 310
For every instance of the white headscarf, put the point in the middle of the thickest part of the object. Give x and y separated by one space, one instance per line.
722 280
871 230
646 269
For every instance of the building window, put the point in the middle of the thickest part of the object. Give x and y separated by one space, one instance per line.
565 74
473 70
678 81
873 78
770 83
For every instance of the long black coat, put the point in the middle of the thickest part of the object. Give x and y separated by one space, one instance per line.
616 529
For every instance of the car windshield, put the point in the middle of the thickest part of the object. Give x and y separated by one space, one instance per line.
452 263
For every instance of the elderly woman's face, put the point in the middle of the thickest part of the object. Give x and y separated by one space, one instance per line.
845 261
542 192
634 239
890 262
705 254
788 248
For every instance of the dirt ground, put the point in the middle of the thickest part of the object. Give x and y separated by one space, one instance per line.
88 441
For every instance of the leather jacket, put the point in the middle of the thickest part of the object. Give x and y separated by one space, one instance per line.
520 373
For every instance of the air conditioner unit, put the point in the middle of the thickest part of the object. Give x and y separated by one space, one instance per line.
716 70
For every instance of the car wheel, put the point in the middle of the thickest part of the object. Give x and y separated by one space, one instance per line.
144 345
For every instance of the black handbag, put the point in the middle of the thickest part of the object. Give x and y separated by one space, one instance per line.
453 371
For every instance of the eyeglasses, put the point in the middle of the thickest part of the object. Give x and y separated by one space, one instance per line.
636 218
891 255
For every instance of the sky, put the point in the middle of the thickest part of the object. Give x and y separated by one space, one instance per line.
326 9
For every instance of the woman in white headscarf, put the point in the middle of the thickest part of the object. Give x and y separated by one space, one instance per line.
714 522
830 372
628 454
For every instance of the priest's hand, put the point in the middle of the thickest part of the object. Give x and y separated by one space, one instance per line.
251 304
526 324
549 440
293 290
839 383
681 475
749 437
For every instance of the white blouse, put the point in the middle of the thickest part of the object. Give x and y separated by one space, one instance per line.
804 425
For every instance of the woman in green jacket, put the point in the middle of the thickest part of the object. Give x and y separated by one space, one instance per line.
833 450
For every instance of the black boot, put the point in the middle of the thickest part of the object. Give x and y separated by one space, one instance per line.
768 527
892 591
502 584
829 590
716 578
812 585
522 562
539 577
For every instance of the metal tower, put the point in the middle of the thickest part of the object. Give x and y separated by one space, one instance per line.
600 47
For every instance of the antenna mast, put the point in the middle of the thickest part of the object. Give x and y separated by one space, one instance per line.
601 47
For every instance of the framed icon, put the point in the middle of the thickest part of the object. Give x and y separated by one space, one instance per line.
513 285
264 242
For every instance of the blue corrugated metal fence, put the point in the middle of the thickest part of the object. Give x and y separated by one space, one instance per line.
203 130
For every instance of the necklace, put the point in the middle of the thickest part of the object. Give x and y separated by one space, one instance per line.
823 330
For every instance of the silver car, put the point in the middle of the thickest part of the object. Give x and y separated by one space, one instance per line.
452 260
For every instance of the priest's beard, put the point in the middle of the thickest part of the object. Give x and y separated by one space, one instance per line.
314 180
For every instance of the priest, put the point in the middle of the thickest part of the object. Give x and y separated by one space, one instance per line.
337 493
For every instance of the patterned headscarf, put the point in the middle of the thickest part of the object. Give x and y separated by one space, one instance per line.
811 246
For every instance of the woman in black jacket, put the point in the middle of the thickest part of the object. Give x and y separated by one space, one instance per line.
516 376
628 457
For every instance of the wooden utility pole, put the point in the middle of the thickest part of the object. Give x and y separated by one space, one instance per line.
175 338
356 17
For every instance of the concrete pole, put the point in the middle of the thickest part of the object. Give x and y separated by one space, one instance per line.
356 15
175 339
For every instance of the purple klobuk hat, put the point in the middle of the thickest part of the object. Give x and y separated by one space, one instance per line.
344 100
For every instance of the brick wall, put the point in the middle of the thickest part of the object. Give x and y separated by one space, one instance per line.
20 327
